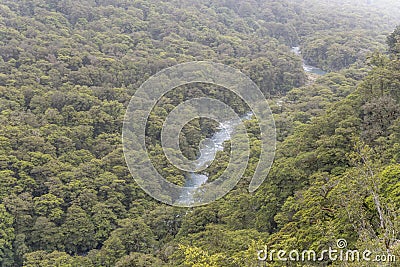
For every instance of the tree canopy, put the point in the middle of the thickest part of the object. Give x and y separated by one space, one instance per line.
69 69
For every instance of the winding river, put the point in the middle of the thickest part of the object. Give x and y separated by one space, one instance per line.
207 152
223 133
308 68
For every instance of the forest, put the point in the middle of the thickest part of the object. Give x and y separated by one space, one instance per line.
68 70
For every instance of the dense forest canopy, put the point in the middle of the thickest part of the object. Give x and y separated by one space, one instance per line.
69 68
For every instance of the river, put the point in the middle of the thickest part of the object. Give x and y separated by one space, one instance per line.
223 133
306 67
207 154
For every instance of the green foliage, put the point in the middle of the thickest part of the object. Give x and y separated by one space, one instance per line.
7 236
78 231
68 70
355 197
135 259
393 41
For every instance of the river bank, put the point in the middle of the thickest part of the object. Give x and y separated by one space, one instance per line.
312 72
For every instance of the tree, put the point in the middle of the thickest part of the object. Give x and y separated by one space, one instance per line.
7 236
79 231
135 235
42 258
111 252
48 205
393 41
135 259
46 235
